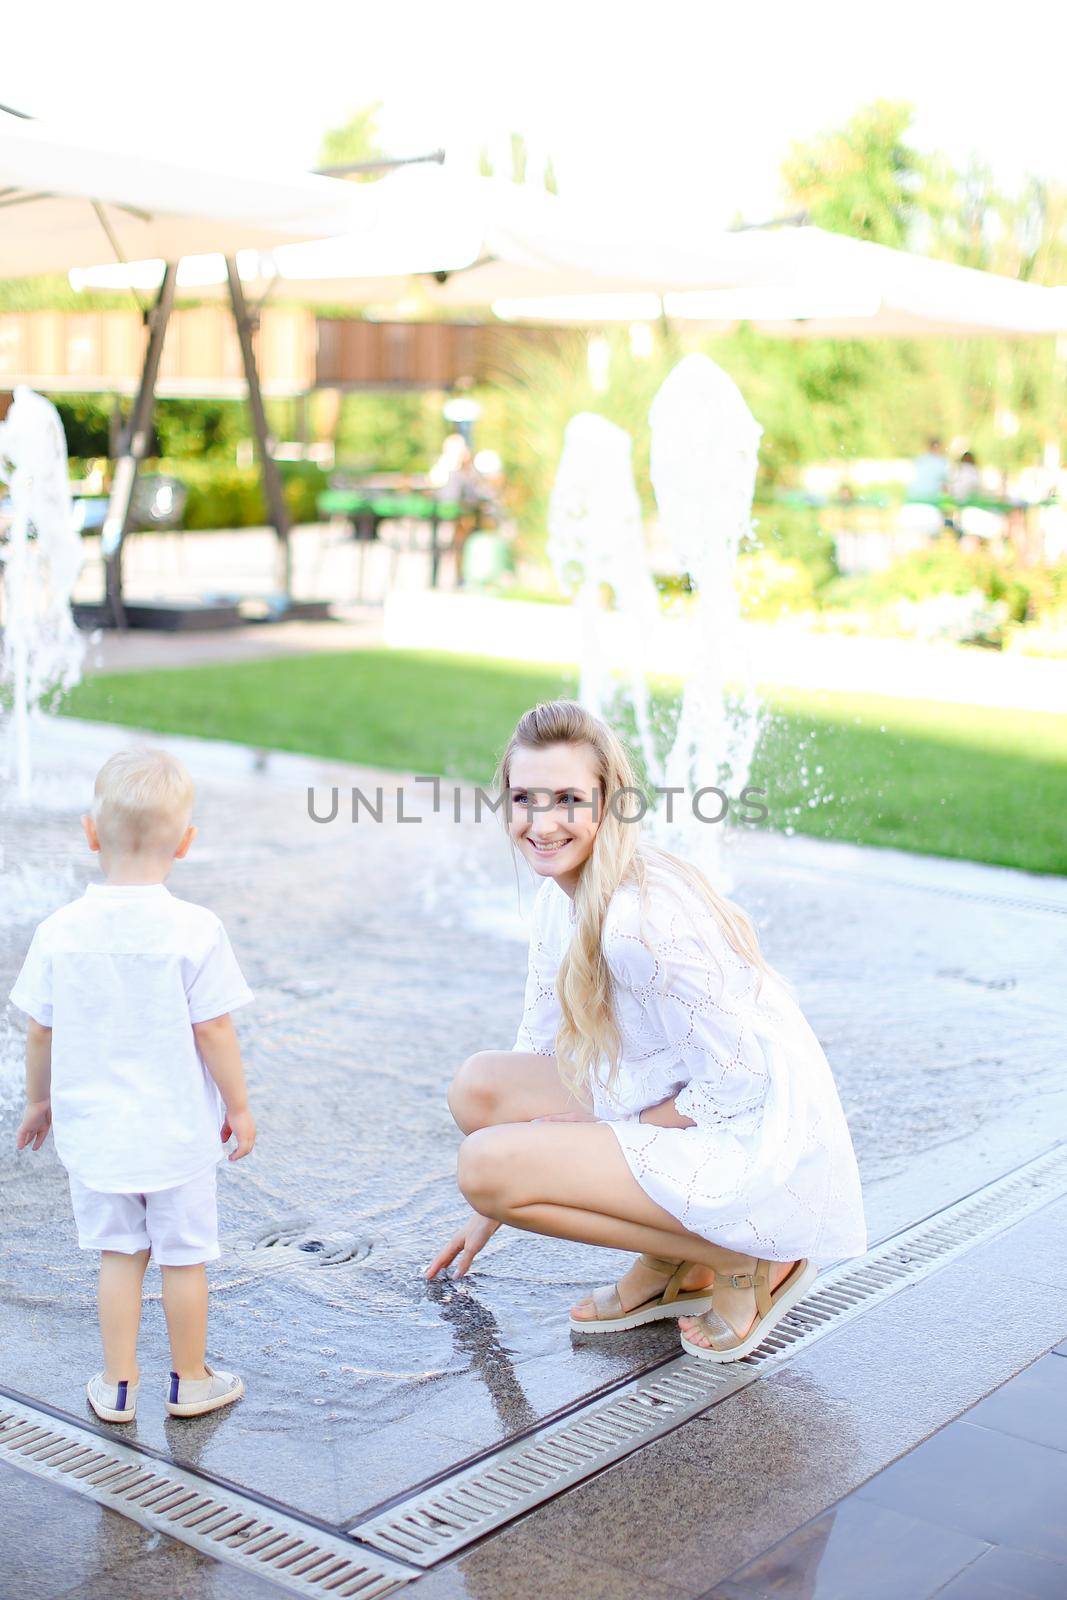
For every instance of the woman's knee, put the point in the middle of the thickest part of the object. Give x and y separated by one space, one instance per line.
483 1170
474 1095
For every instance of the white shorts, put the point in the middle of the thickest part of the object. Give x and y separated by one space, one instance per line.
180 1226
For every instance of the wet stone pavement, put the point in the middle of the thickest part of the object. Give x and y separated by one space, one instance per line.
380 956
973 1513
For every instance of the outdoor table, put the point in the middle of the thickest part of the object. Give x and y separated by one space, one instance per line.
1021 512
367 505
878 501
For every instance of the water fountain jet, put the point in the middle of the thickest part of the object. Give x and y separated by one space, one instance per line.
42 648
704 451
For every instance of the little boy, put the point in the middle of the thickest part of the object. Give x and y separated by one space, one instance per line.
132 1057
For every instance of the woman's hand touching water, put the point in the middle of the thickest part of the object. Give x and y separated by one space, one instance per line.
477 1231
462 1249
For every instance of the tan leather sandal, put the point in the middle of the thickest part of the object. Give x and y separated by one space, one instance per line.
771 1306
671 1303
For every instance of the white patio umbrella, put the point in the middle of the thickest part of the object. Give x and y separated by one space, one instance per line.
447 243
70 201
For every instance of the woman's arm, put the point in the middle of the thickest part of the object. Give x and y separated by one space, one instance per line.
692 987
540 1006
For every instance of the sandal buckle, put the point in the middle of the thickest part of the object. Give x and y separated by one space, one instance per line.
741 1280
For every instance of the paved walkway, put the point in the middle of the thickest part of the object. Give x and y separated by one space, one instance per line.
937 989
974 1513
142 649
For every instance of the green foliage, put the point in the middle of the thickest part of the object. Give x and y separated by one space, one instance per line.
863 179
793 534
540 387
52 292
356 139
945 568
389 431
820 400
225 496
86 423
770 587
518 165
191 429
939 568
201 429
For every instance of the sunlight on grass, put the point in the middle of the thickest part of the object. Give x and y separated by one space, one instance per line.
973 782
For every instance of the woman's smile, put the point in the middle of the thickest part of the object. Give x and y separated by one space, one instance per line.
554 787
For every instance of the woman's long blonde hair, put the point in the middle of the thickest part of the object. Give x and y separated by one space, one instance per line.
588 1029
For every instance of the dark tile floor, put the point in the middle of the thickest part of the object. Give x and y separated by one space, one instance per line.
976 1512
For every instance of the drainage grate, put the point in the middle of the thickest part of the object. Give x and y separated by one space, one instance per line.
433 1523
220 1523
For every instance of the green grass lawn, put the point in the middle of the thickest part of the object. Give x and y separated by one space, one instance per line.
985 785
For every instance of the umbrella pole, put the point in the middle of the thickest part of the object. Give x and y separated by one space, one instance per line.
133 447
272 483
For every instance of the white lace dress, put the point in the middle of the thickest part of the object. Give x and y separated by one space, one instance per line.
769 1168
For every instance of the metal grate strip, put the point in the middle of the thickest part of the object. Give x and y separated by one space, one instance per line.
219 1523
434 1522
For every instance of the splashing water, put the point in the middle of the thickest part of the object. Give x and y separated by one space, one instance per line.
704 452
595 537
705 449
42 649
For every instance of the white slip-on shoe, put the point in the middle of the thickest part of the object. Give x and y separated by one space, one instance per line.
112 1402
191 1397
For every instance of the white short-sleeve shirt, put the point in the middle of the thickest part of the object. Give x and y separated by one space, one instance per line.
120 976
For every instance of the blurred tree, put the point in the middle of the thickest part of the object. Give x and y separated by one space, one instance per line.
356 139
207 428
86 423
1002 395
518 165
385 432
864 179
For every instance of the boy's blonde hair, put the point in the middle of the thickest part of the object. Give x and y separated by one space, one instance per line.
142 801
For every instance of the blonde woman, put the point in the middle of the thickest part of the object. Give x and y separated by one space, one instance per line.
665 1093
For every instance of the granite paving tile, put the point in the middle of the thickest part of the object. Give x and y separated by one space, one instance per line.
857 1549
1032 1406
1003 1574
694 1506
56 1543
530 1570
990 1485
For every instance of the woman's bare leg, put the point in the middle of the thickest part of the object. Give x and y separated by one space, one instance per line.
507 1087
572 1181
497 1086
